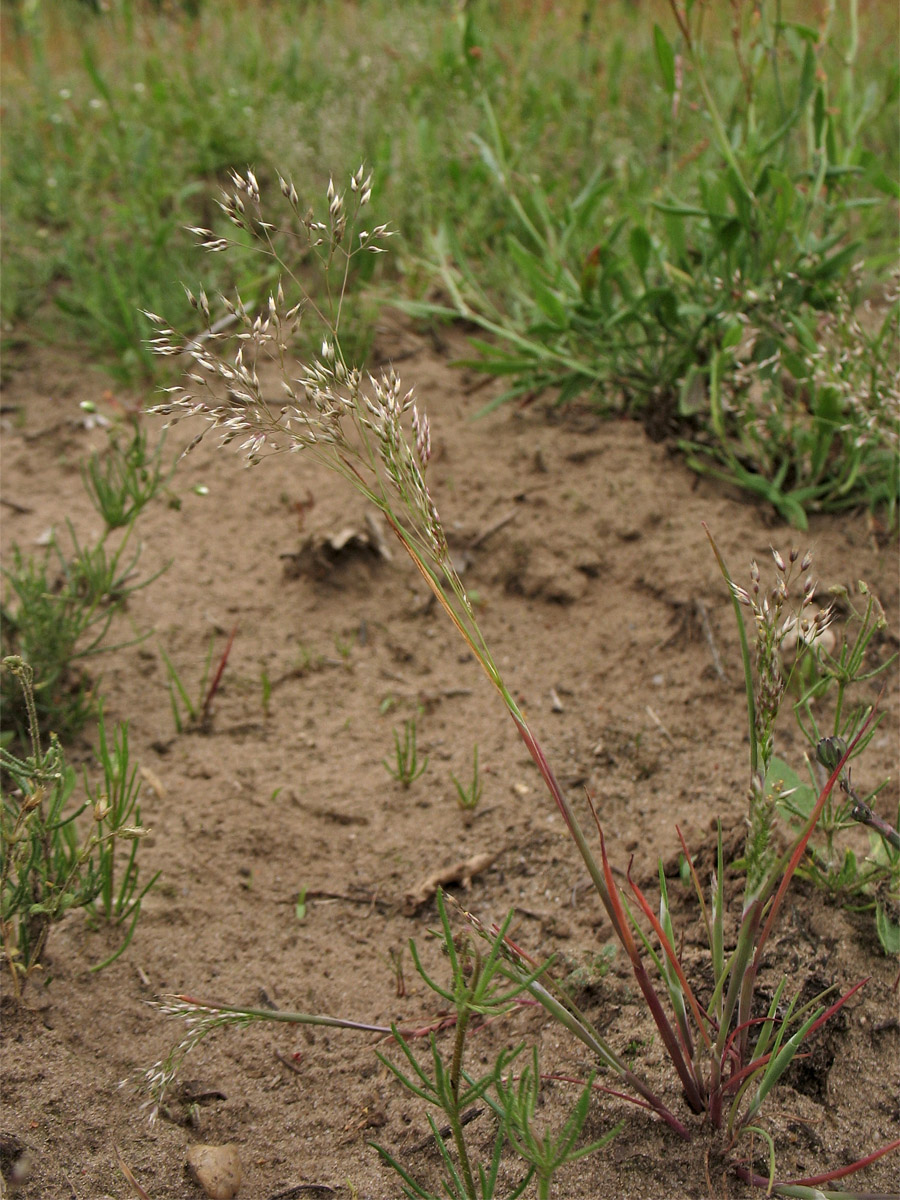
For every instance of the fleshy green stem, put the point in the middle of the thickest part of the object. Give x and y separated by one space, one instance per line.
453 1113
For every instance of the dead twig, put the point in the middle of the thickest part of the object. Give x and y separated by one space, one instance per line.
17 508
373 900
289 1063
129 1177
492 528
461 872
304 1189
659 725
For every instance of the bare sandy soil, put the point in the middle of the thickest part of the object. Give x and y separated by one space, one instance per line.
598 593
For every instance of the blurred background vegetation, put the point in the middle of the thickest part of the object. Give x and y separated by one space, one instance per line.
599 186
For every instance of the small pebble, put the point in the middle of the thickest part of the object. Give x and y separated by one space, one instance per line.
217 1169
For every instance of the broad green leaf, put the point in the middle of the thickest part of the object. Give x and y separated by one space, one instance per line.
666 59
806 32
807 77
537 289
640 245
888 931
787 789
738 192
819 115
732 335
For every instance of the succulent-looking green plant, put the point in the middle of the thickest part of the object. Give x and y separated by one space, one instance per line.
407 766
48 866
59 608
468 797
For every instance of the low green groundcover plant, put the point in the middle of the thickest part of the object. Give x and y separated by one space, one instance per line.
728 308
50 863
58 607
725 1056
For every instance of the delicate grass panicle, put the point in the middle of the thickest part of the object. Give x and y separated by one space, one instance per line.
775 622
778 616
728 1046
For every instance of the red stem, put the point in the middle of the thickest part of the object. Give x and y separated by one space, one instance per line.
799 849
699 1016
217 678
762 1181
841 1172
688 1082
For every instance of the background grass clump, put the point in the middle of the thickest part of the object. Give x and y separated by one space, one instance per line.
686 211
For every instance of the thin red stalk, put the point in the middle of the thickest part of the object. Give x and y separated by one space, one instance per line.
739 1076
771 1188
217 678
735 1033
699 1017
763 1181
736 1079
829 1012
688 1082
799 849
546 772
842 1172
601 1087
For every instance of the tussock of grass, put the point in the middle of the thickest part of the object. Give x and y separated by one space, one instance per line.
120 125
542 166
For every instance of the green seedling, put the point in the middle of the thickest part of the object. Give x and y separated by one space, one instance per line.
407 767
48 864
468 797
395 961
197 712
121 482
344 647
115 807
476 992
516 1105
58 609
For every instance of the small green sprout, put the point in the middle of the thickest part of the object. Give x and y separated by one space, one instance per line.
407 768
468 797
